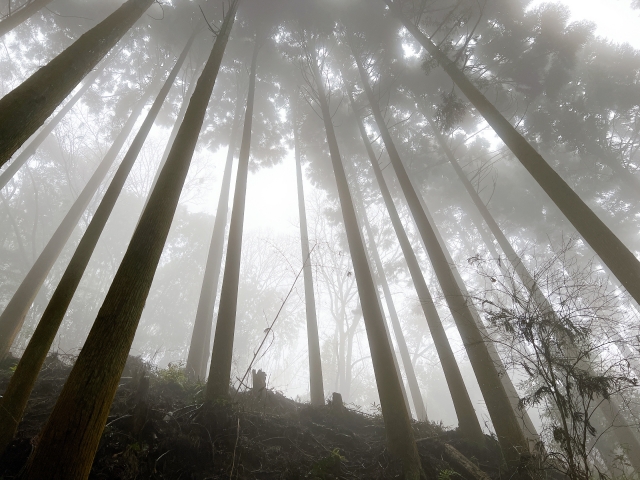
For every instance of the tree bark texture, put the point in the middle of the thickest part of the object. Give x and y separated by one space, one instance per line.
25 109
400 437
620 260
198 357
316 384
502 415
21 15
16 310
222 352
14 400
467 419
70 438
33 146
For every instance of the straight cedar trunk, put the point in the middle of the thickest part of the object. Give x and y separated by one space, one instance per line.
222 352
400 439
198 356
467 420
414 388
525 423
507 427
608 408
174 133
16 310
623 433
316 384
615 255
25 109
21 15
69 439
14 400
33 146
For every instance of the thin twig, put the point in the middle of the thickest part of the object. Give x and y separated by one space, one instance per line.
270 328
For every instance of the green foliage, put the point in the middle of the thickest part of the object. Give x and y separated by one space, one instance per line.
329 464
174 373
447 474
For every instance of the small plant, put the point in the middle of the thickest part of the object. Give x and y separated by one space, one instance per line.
329 464
174 373
447 474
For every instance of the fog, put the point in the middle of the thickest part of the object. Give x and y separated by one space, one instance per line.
569 85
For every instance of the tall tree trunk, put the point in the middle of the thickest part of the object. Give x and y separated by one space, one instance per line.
14 400
16 310
522 416
33 146
540 300
25 109
222 353
620 260
351 331
400 437
316 385
198 356
510 435
70 438
22 14
467 419
414 388
173 134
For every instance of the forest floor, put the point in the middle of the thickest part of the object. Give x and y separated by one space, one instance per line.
158 430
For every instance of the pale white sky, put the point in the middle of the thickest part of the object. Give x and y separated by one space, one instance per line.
614 18
271 193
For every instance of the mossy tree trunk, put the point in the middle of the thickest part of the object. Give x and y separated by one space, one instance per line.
70 437
14 314
14 400
34 144
25 109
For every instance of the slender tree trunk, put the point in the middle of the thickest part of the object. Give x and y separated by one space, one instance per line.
25 109
396 364
33 146
620 260
316 385
400 437
510 435
467 420
521 414
222 353
541 302
172 136
70 438
16 310
414 388
351 331
198 356
22 14
14 400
